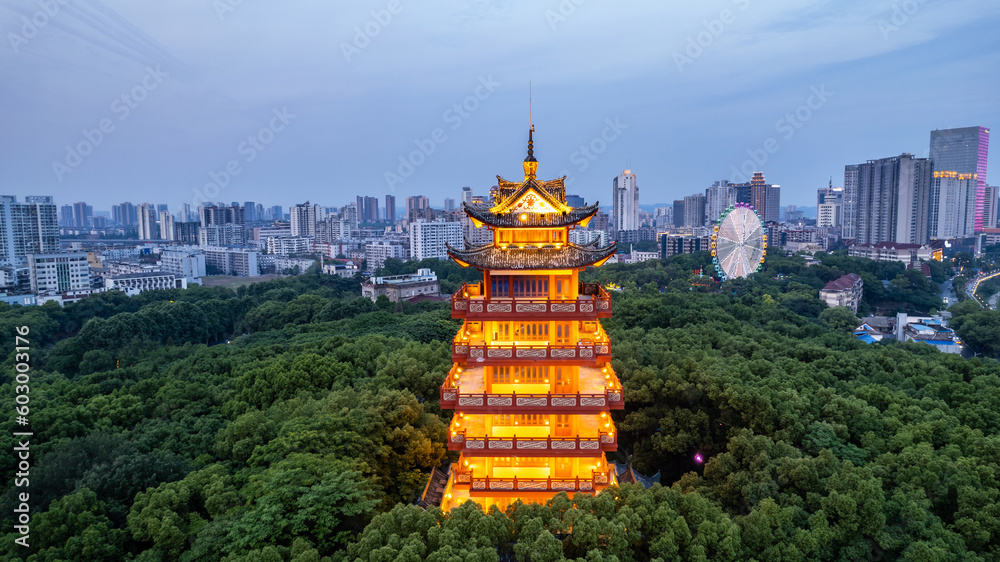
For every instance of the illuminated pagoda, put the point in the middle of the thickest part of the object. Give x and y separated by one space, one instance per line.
532 385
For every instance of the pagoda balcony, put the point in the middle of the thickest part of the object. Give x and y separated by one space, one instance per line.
489 486
469 302
464 390
584 353
514 446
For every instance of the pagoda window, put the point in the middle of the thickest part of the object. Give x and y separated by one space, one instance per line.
531 331
563 332
530 286
500 285
520 461
532 420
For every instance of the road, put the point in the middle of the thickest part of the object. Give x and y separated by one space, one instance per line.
948 292
971 287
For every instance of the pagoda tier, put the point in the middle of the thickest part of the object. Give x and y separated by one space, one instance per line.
532 384
483 215
528 257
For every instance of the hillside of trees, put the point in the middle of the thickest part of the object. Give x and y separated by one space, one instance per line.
293 420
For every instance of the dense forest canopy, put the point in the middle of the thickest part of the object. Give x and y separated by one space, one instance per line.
295 420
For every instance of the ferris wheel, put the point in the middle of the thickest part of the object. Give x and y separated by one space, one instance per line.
739 242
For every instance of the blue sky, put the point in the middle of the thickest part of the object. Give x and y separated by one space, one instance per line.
323 100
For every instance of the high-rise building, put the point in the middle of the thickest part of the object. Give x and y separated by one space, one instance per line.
81 215
575 201
390 208
758 193
990 210
965 151
718 198
166 226
415 204
304 218
772 203
829 207
66 215
449 205
532 373
694 210
663 217
26 228
850 210
349 214
893 200
125 214
276 213
148 230
625 198
679 213
185 215
250 211
429 239
952 205
222 225
58 273
367 209
160 207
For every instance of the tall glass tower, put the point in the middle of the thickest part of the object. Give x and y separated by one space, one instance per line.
964 151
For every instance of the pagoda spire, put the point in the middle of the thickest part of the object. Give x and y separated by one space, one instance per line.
530 164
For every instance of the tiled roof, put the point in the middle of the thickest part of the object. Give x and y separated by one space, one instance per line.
513 220
569 256
555 188
844 283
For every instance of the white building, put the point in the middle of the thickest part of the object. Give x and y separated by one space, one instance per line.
718 198
148 229
304 219
222 235
135 283
828 215
953 205
167 226
846 291
428 239
341 269
59 273
283 264
403 287
293 245
625 195
26 228
239 262
185 263
377 252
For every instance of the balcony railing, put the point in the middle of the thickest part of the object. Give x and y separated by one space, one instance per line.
482 446
485 485
469 302
577 403
482 354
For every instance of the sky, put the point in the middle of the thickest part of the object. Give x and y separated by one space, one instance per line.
187 101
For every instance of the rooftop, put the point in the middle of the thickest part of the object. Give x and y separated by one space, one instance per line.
844 283
570 256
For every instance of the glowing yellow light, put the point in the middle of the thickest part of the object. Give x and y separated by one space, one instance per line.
524 216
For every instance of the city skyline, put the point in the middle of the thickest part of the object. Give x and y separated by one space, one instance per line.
166 110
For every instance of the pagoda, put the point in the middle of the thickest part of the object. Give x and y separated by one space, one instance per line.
532 385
